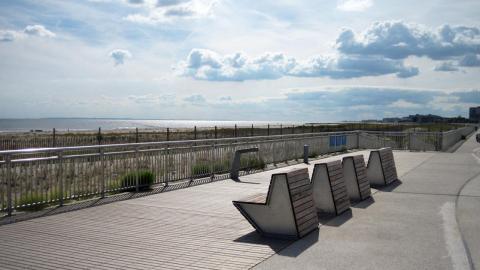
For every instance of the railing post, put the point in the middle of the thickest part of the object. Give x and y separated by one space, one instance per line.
235 131
136 135
168 134
60 176
440 141
358 139
212 164
195 132
8 163
251 131
215 132
305 153
137 173
102 164
165 169
54 141
281 130
268 130
99 136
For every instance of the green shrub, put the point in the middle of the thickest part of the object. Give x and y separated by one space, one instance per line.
35 202
146 179
219 167
203 168
252 163
312 154
32 202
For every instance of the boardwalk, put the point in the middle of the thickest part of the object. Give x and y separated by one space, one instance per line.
198 227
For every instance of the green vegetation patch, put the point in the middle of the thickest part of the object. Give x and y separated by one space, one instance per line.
146 179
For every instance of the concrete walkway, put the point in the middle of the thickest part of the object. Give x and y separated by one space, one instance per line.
418 223
429 221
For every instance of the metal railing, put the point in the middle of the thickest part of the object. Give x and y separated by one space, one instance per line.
36 177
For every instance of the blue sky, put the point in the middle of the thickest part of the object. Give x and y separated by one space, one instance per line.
238 60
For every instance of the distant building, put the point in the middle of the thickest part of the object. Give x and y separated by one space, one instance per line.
430 118
474 114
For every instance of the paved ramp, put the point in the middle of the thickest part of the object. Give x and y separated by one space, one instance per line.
431 220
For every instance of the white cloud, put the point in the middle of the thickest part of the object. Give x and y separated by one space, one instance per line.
38 30
470 60
153 99
119 56
446 66
8 35
354 5
403 104
30 30
399 40
204 64
195 99
164 11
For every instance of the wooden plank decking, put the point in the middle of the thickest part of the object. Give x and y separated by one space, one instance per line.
192 228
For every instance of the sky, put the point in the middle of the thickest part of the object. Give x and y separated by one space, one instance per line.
315 61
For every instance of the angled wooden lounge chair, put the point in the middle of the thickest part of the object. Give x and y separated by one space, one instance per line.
286 211
329 190
381 169
355 175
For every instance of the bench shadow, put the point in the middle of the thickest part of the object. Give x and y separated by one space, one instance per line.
282 247
332 220
276 244
244 182
299 246
391 187
363 204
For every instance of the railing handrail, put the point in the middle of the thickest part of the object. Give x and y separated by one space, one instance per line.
218 140
167 143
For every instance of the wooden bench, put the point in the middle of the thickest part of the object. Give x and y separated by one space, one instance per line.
355 175
381 169
286 211
329 189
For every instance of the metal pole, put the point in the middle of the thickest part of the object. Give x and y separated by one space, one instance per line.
168 134
99 135
195 132
102 163
59 176
235 132
165 169
54 143
281 130
312 129
137 173
293 129
136 135
9 184
305 153
215 132
268 130
212 168
251 131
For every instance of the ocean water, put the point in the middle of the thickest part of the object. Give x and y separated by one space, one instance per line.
78 124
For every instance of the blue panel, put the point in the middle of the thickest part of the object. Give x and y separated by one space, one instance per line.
332 141
338 140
